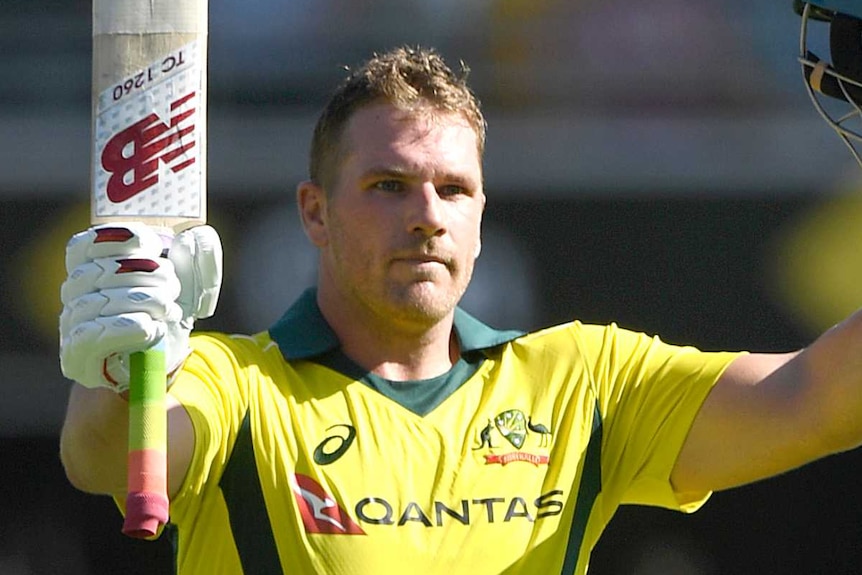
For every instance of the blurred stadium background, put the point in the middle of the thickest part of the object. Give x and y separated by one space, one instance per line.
651 163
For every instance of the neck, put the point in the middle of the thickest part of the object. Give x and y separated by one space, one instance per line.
395 350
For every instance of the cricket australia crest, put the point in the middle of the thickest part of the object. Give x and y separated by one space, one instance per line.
512 425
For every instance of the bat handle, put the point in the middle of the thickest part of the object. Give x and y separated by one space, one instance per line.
147 485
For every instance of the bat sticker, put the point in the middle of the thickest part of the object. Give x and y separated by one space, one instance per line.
146 129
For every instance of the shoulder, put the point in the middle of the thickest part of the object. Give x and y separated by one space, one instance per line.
572 335
220 353
603 338
233 343
604 346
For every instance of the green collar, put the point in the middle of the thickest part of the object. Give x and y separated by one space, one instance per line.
302 332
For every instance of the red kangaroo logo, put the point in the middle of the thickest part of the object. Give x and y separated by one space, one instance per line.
319 510
149 145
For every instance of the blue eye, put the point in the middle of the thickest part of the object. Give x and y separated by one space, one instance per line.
451 190
389 185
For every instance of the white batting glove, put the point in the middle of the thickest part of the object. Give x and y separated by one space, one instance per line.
128 287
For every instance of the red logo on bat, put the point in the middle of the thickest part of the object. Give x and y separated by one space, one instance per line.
132 156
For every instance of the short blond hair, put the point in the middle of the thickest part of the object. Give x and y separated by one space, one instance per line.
406 77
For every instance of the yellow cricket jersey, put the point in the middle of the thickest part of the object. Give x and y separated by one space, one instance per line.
514 462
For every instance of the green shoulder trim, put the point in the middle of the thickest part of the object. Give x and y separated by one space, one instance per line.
249 521
302 332
588 492
420 396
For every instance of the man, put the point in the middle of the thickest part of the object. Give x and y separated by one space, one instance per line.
376 426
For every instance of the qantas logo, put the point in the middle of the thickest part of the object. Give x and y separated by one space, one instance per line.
132 156
321 513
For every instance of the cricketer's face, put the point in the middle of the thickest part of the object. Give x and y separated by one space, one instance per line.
400 229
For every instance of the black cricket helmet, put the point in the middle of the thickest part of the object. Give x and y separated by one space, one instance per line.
841 79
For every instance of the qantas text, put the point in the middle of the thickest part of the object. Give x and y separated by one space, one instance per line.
379 511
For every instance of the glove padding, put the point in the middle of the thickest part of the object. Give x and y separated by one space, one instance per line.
128 287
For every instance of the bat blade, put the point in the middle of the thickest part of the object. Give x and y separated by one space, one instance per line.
149 112
148 165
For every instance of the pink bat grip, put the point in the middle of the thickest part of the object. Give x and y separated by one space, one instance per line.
147 486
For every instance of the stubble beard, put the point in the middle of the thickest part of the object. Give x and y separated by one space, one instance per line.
428 300
423 303
418 304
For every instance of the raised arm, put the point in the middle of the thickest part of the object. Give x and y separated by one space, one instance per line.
94 441
124 292
770 413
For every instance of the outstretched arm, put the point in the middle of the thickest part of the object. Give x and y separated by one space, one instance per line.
94 441
123 295
770 413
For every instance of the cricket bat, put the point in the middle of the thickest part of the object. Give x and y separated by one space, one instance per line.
149 165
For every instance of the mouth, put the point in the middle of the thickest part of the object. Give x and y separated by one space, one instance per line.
421 263
421 260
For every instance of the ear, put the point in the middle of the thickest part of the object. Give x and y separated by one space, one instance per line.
479 241
311 202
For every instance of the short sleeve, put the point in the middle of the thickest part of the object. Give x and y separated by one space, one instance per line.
649 395
212 388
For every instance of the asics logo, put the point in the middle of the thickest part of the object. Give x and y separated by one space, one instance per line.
334 446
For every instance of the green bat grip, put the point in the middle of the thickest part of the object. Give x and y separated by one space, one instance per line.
147 498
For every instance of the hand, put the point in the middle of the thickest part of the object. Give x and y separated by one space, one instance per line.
128 287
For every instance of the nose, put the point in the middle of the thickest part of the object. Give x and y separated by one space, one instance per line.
427 211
